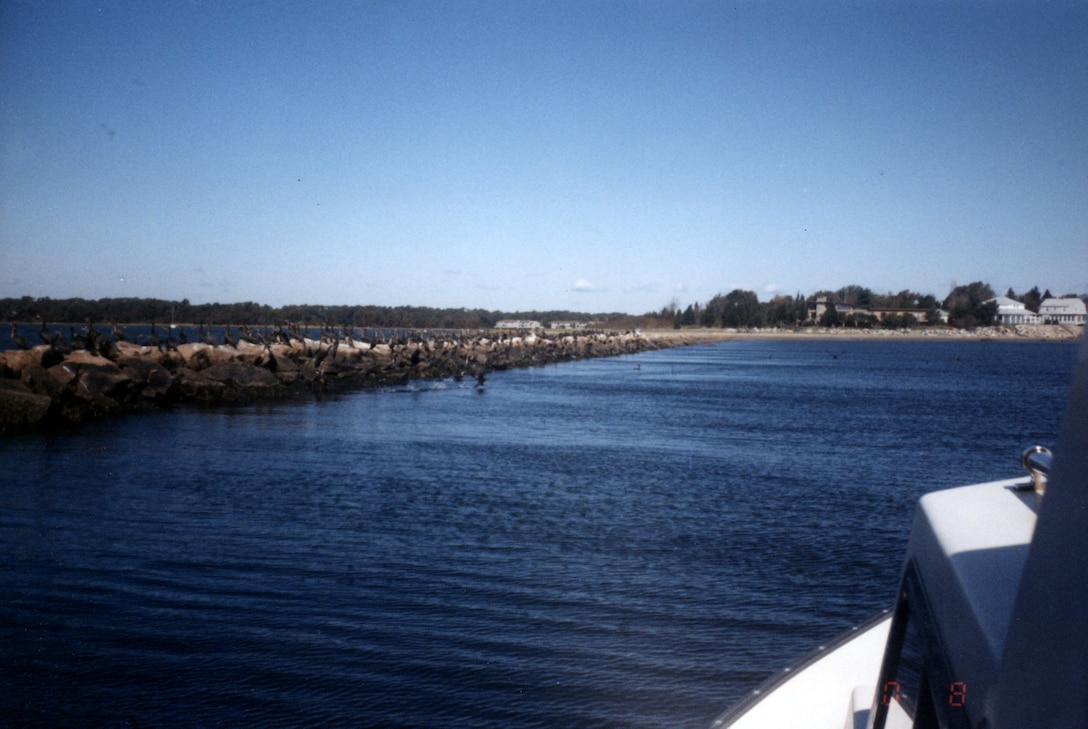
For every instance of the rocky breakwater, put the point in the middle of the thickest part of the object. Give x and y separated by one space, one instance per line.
44 385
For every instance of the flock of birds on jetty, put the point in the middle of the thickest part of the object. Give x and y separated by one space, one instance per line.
89 374
91 340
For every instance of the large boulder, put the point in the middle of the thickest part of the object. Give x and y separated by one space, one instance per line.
128 349
100 391
193 386
161 355
335 366
381 355
20 408
275 360
229 382
190 349
101 380
152 382
202 356
43 356
306 372
249 352
54 382
241 375
83 357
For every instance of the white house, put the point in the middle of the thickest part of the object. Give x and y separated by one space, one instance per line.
1011 311
518 324
1062 311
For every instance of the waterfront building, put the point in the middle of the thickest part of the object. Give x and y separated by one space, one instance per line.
920 315
1011 311
817 308
1062 311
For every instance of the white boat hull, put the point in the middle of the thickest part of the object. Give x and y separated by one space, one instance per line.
817 693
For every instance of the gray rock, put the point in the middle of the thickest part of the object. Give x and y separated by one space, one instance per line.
151 381
20 408
241 375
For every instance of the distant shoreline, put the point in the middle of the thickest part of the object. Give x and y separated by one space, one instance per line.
1020 333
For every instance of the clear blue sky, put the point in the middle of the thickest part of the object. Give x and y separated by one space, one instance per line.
594 156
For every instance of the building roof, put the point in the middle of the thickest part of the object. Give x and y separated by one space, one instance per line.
1062 306
1004 302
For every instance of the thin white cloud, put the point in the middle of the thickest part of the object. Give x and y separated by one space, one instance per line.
582 285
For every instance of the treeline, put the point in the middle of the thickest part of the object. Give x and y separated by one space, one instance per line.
163 311
844 308
852 306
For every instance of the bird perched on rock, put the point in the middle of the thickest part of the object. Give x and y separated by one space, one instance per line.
107 348
91 339
58 344
205 335
228 338
17 338
78 340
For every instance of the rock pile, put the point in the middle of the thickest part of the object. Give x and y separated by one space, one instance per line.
44 385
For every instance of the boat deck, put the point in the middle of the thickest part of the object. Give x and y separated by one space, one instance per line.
817 692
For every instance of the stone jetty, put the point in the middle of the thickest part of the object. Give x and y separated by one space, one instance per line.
43 385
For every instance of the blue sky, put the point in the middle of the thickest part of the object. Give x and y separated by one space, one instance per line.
593 156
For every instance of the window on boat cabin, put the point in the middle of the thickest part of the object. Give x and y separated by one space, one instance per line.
900 694
920 693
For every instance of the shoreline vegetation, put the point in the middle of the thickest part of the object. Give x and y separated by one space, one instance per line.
44 386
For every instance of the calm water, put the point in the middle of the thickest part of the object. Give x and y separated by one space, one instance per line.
629 542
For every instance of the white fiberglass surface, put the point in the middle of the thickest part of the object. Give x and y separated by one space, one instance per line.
819 695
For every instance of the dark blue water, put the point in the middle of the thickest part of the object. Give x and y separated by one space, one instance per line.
628 542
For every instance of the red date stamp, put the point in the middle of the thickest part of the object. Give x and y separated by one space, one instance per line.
957 693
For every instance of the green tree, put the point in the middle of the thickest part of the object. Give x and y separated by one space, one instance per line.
741 309
831 316
1031 299
786 311
854 295
971 306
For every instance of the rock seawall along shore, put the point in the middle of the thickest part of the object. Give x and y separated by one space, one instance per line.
44 386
